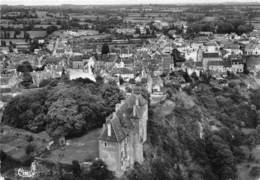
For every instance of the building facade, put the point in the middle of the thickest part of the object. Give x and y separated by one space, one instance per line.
124 133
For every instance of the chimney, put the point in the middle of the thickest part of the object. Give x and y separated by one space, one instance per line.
109 129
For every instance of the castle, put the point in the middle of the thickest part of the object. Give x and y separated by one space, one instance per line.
124 133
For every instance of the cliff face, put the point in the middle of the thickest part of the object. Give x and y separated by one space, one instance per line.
197 135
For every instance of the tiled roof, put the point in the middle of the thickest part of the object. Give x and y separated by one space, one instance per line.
251 61
117 132
76 58
122 71
123 121
252 46
219 63
230 45
210 55
60 51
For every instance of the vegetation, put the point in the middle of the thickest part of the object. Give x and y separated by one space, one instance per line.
200 137
25 68
67 108
229 26
98 171
255 172
105 49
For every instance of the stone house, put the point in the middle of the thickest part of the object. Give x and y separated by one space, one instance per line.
219 66
208 57
77 62
124 73
124 133
252 49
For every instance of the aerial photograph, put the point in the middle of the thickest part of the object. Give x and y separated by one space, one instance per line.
129 90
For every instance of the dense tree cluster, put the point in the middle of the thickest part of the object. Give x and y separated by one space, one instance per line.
229 26
63 108
201 137
25 68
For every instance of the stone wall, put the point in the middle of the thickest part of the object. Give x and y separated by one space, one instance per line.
109 152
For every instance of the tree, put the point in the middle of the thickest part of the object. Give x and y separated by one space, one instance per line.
221 157
64 108
137 30
255 171
99 171
105 49
111 94
34 45
176 55
16 32
3 43
26 36
76 168
25 67
29 149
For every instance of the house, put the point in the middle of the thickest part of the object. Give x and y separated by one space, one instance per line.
231 48
211 47
206 33
252 49
219 66
127 62
127 31
77 62
123 135
237 64
124 73
207 57
253 63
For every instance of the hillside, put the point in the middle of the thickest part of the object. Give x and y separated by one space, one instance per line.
202 132
198 134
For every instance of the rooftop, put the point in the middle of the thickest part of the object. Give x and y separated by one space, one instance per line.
210 55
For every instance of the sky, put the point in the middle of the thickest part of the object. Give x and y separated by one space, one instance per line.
90 2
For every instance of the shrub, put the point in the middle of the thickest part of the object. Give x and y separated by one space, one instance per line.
255 172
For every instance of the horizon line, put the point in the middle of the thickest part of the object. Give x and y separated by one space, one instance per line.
126 4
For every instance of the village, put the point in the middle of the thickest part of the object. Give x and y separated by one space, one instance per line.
147 47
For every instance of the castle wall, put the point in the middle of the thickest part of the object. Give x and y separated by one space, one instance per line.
145 119
109 152
138 149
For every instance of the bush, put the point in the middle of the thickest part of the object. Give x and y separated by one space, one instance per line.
29 149
255 172
98 171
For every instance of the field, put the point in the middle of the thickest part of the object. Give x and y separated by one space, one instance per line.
82 148
35 34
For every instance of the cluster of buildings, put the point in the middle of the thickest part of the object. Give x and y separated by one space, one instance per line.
133 61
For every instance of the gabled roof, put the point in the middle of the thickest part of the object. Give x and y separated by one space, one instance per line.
60 50
76 58
117 132
252 61
252 45
123 120
219 63
123 71
230 45
210 55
